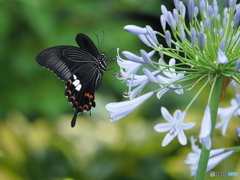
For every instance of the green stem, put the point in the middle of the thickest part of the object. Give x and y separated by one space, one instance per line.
214 103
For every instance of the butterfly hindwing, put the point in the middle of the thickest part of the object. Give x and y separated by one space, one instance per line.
81 67
81 97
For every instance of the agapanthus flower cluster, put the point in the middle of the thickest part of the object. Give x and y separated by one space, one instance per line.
200 49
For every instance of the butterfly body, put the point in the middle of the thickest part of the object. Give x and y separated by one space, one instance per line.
81 67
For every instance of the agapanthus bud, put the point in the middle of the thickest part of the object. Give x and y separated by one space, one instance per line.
232 4
147 58
191 10
171 21
182 9
168 38
193 36
176 3
236 21
152 34
222 58
207 23
135 29
163 22
182 36
222 45
210 12
201 40
221 32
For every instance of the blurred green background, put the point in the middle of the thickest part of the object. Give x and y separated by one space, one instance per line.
36 140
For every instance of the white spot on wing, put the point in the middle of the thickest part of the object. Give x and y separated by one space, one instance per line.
78 87
76 82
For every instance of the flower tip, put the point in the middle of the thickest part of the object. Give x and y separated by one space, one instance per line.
135 29
222 58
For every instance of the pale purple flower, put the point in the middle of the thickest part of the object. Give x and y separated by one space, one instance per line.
176 15
118 110
222 58
176 4
207 23
168 38
147 35
163 22
139 81
133 29
170 76
210 12
152 34
225 114
151 75
196 11
174 126
232 3
201 40
127 68
147 39
235 86
192 46
191 9
222 45
164 11
221 32
171 21
182 9
216 156
182 36
147 58
206 127
236 19
130 66
193 36
133 57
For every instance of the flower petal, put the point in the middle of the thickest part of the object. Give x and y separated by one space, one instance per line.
161 92
182 138
167 116
188 125
135 29
119 110
214 161
163 127
132 57
167 139
206 128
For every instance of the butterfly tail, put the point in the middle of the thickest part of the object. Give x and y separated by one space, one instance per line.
73 122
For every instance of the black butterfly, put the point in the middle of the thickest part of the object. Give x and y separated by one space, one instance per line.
82 67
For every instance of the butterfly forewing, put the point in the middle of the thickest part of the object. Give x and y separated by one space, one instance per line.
87 45
64 60
82 67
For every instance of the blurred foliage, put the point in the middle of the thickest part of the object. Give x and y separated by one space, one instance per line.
36 140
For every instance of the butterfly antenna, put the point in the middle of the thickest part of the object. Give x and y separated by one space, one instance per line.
98 42
103 39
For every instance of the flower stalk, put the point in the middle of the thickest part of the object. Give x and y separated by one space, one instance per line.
214 104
